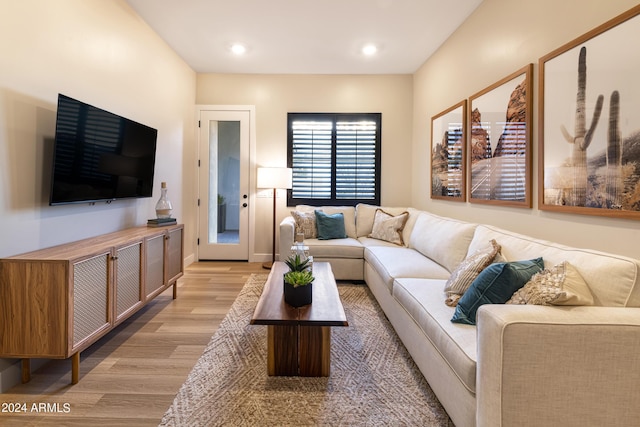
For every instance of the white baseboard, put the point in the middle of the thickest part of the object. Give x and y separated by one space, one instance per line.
189 260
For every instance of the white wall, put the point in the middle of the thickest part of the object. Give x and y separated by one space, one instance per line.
500 37
102 53
276 95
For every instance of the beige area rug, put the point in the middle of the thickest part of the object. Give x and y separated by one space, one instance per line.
373 380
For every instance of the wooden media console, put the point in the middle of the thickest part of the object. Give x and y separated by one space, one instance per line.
56 302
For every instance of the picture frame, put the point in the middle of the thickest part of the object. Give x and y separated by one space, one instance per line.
589 123
499 147
448 153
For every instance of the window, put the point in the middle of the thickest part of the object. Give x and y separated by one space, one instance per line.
335 158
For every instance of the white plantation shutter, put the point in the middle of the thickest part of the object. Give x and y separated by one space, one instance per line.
335 158
356 160
312 159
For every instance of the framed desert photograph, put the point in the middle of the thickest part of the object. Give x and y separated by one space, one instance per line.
590 122
448 135
499 151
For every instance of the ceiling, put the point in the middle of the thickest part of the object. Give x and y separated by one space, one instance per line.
305 36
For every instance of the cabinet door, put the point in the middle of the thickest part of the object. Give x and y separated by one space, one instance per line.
90 298
154 278
128 280
175 258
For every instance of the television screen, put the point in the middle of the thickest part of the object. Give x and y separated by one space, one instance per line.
100 156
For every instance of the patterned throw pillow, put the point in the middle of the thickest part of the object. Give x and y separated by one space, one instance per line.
561 284
388 227
468 270
305 223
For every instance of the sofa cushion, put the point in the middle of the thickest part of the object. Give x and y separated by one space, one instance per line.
495 285
368 241
444 240
422 299
330 226
397 261
335 248
611 278
558 285
349 213
389 227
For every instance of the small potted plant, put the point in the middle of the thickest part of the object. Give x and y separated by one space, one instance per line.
297 263
297 288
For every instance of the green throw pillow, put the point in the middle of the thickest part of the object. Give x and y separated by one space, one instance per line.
330 226
495 285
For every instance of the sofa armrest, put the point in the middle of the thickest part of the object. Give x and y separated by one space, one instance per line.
287 234
558 366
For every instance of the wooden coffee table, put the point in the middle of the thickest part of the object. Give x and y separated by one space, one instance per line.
299 339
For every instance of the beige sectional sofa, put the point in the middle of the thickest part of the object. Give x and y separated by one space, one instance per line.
522 364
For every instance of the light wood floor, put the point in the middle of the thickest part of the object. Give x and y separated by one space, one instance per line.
130 377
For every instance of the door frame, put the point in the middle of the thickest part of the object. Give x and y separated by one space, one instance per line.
252 167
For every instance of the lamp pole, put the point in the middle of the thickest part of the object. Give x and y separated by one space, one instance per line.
273 178
273 235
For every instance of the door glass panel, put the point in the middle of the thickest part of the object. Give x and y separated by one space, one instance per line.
224 182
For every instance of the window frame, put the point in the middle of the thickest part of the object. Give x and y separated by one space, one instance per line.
335 117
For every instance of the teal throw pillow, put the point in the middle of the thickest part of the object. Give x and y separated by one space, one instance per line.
495 285
330 226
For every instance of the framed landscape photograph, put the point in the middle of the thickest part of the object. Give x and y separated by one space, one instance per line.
590 122
499 151
448 136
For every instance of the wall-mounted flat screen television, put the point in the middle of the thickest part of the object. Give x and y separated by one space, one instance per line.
100 156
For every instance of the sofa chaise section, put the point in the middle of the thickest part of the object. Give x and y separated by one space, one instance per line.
558 366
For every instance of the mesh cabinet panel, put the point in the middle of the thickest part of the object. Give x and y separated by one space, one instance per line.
128 283
175 253
90 292
155 264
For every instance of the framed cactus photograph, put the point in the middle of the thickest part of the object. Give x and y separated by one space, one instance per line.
589 120
499 151
448 147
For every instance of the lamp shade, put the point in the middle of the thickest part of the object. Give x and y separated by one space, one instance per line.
275 178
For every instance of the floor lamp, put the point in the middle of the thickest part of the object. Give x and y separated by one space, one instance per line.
274 178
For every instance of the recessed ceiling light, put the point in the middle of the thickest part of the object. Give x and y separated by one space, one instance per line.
369 49
238 49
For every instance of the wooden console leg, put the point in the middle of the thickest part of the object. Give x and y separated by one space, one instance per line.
175 289
26 370
75 368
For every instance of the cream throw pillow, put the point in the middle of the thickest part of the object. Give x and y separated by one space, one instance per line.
388 227
305 223
561 284
468 270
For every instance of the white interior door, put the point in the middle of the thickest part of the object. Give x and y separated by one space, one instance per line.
223 212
